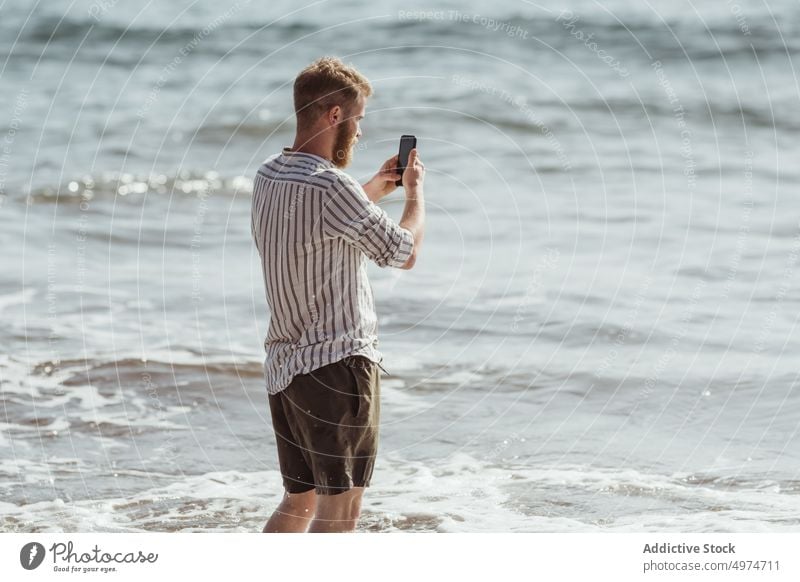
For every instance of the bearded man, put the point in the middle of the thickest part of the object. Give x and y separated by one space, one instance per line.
315 227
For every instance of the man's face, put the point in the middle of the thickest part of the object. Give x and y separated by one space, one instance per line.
347 133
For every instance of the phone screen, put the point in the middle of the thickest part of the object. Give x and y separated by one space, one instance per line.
407 143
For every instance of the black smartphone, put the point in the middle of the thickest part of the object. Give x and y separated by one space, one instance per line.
407 143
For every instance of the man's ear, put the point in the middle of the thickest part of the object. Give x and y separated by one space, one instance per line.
335 114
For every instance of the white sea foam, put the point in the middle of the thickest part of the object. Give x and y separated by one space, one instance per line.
455 494
18 298
395 396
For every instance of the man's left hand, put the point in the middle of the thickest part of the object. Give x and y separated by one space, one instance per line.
383 182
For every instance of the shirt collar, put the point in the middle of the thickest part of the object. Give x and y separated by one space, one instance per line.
290 153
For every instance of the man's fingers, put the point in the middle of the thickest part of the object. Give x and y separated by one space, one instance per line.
391 163
413 158
390 175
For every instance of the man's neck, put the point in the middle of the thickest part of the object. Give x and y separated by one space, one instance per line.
309 147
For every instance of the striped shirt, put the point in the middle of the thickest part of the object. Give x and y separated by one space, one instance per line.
314 228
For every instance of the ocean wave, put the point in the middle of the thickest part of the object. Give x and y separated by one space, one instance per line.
49 28
458 493
672 36
111 185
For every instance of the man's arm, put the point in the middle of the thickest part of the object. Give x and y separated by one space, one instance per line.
347 213
413 218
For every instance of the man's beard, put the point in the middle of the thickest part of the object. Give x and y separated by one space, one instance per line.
343 146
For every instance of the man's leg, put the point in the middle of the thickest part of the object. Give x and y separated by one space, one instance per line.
295 510
337 513
294 513
334 413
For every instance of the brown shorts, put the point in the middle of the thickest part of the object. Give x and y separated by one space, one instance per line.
326 426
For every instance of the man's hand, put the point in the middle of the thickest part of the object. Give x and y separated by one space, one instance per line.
414 174
414 212
383 182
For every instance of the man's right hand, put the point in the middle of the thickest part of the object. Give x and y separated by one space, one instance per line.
414 211
414 174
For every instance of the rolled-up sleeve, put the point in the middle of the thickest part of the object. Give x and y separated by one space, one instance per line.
348 213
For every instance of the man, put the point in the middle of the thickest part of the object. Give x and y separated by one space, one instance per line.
314 227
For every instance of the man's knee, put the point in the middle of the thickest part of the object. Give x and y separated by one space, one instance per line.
343 506
301 504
